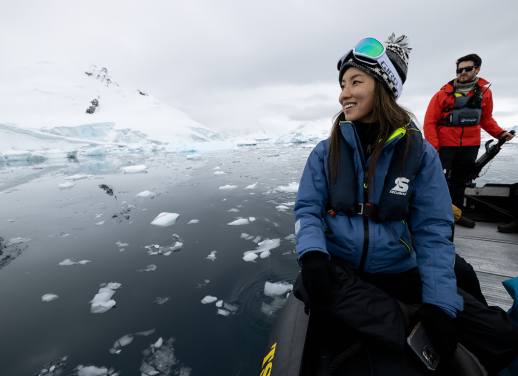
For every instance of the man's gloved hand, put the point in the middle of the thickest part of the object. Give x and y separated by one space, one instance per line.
317 277
440 329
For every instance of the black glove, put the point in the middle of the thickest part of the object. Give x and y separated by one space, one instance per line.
317 277
440 329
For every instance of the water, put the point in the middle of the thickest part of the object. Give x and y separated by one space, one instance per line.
67 224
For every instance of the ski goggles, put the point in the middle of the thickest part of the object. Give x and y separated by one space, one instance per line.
371 52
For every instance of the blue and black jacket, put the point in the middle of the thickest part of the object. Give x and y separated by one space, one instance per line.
421 237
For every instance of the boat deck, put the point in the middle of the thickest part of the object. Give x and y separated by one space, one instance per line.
494 256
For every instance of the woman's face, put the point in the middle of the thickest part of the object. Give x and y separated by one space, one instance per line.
357 96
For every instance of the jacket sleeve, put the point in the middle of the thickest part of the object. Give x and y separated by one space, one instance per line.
431 221
431 118
310 204
487 122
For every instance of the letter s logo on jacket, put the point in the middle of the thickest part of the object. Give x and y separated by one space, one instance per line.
401 186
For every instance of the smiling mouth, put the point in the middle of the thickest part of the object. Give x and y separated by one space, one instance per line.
349 105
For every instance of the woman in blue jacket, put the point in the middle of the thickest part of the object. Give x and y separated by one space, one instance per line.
373 201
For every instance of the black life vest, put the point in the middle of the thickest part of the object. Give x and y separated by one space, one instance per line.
397 187
466 111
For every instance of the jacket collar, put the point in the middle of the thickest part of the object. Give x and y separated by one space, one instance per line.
448 88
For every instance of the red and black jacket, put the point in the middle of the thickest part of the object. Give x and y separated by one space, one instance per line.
438 127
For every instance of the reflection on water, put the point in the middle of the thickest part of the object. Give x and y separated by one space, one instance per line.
96 251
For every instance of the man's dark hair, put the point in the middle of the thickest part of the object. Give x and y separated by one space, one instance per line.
471 57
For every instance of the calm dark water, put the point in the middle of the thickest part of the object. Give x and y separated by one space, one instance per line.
67 224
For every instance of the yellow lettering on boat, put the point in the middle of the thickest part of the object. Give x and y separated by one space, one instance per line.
267 361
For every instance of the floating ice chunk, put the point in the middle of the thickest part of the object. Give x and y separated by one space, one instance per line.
239 222
273 289
249 256
48 297
69 262
230 307
204 283
251 186
159 360
165 219
121 244
223 312
282 208
100 223
158 343
263 249
208 299
219 172
77 177
120 343
66 262
149 268
145 333
65 185
193 221
212 256
219 303
244 235
217 168
134 169
227 187
292 187
95 371
146 194
161 300
257 239
103 301
233 210
251 219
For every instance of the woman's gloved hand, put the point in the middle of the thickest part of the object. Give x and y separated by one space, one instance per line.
440 328
317 277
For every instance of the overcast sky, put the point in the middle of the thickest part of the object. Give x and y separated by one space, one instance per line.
245 64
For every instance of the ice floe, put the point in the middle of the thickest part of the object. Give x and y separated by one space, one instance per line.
161 300
77 177
227 187
263 250
273 289
212 256
165 219
241 221
69 262
193 221
134 169
149 268
125 340
54 368
160 360
292 187
95 371
65 185
146 194
157 249
48 297
251 186
209 299
102 301
219 172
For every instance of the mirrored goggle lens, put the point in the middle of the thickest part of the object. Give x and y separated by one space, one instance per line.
369 47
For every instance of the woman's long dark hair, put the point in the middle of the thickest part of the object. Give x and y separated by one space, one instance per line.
386 114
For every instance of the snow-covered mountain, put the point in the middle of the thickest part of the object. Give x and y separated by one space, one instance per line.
51 105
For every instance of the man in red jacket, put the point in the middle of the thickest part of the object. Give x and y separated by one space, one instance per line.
452 125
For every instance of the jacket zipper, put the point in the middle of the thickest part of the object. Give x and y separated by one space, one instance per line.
365 249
